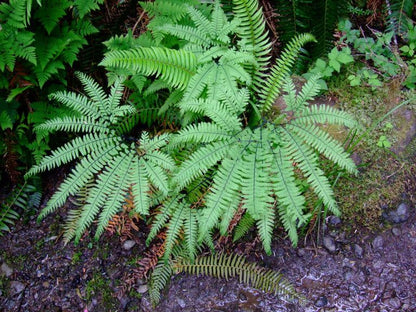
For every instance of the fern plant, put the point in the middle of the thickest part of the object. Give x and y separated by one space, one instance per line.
25 197
233 149
320 17
106 155
225 267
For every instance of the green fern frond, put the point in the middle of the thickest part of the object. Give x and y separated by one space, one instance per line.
243 227
400 16
308 163
14 13
72 150
162 217
203 132
327 146
71 224
199 162
270 89
85 6
321 114
175 227
223 196
253 33
265 227
74 124
174 66
51 12
24 197
229 266
113 193
159 279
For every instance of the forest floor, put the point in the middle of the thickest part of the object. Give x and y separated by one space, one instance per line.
345 264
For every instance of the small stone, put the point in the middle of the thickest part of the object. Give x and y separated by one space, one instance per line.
321 302
378 242
403 212
334 220
347 263
16 287
329 243
358 251
6 270
128 244
396 231
400 215
242 296
46 284
142 289
181 302
394 303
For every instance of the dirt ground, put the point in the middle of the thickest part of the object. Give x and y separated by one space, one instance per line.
357 271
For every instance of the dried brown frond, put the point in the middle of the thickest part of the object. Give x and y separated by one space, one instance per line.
126 222
152 256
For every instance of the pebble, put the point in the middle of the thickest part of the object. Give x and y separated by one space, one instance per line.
16 287
142 289
334 220
394 303
6 270
378 242
128 244
46 284
396 231
400 215
329 243
358 251
321 302
181 302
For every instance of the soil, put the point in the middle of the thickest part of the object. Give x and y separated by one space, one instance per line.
365 271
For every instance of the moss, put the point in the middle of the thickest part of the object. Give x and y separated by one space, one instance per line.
76 257
99 286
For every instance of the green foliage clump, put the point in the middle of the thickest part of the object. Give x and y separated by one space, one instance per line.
229 145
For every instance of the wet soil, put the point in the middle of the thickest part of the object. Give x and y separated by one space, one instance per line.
366 272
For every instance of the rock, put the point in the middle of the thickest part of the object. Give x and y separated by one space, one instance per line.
396 231
181 302
142 289
321 302
329 243
394 303
334 220
358 251
46 284
128 244
400 215
6 270
378 242
16 287
403 212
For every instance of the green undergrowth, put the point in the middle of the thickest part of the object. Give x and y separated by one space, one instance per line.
384 170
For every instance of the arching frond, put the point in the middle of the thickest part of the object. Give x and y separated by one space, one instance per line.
174 66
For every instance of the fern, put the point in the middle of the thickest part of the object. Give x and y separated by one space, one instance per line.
25 197
400 16
229 266
104 156
319 17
